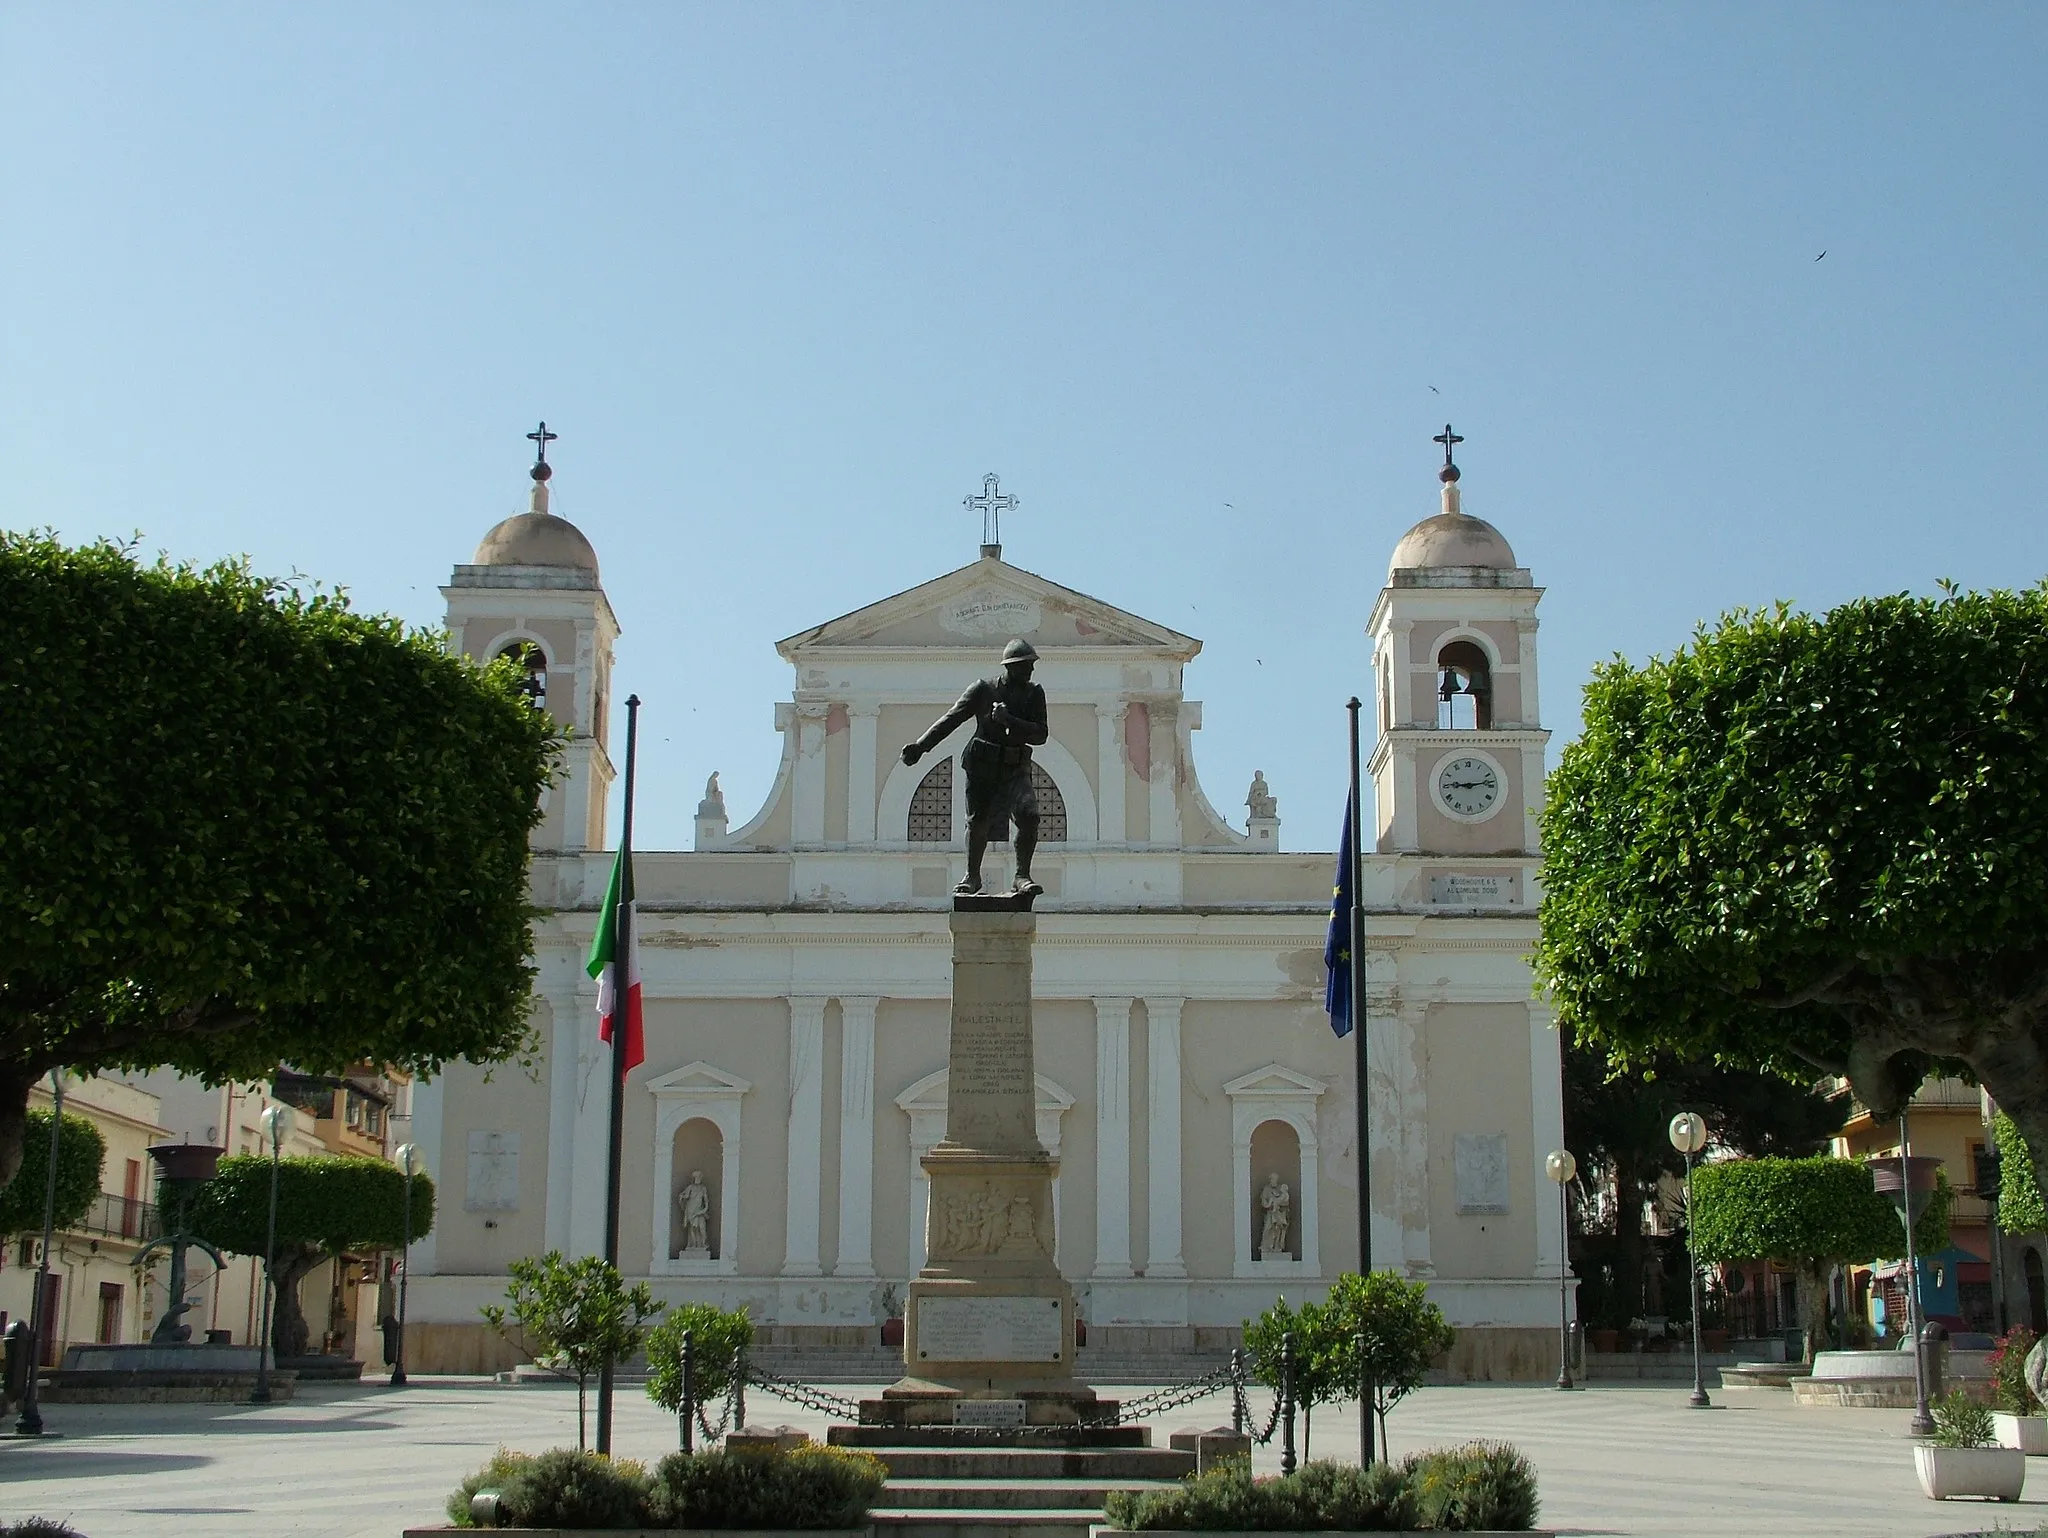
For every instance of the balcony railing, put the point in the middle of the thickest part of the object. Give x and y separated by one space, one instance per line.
120 1217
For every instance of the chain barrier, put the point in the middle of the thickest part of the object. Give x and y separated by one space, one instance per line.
804 1394
1173 1396
1241 1405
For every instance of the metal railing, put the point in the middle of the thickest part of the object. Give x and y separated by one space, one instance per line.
120 1217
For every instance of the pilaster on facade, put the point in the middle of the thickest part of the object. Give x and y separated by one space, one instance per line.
1162 1134
1109 771
590 1089
856 1255
864 717
1410 1033
800 1254
429 1103
1113 1138
1546 1081
807 811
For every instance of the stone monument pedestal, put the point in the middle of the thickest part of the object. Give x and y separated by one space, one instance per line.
988 1332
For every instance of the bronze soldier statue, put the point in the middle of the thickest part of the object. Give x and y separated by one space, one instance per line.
1009 719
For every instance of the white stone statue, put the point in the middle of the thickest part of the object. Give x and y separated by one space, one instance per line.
713 804
693 1204
1275 1201
1259 799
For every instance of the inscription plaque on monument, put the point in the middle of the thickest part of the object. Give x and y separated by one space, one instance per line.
988 1329
989 1412
1492 889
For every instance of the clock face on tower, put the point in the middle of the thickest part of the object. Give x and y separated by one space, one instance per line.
1467 787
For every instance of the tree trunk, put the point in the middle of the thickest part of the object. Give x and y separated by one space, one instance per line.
1628 1238
289 1332
14 1088
1815 1275
1308 1423
581 1387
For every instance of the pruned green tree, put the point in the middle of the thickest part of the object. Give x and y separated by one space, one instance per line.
573 1317
1318 1364
247 825
1816 846
1617 1121
1810 1214
326 1208
81 1156
1384 1330
2020 1208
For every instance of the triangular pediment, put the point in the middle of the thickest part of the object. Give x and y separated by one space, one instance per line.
699 1079
984 605
1276 1080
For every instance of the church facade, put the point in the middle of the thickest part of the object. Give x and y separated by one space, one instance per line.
796 973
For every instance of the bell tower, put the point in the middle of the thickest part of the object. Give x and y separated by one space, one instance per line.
533 594
1457 768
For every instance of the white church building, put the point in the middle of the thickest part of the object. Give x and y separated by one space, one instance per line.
796 971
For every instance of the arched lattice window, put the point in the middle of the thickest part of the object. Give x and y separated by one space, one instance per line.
535 661
931 806
1052 808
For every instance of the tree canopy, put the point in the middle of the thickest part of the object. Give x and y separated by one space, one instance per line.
81 1152
574 1317
325 1207
1813 1214
2020 1208
1816 845
247 825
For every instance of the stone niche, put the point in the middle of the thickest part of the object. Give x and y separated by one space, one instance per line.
697 1127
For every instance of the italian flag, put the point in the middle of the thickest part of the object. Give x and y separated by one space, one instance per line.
616 976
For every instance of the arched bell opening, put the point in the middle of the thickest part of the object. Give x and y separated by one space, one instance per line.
1464 688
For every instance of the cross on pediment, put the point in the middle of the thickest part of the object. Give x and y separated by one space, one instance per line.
991 504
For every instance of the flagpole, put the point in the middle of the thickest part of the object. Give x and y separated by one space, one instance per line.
1360 1059
621 1036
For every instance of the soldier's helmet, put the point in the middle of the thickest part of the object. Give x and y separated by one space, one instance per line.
1019 650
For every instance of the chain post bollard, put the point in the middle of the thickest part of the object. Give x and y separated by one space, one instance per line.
739 1389
1364 1406
1287 1403
689 1391
1237 1390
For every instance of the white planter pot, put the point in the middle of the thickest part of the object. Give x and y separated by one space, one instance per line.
1947 1472
2029 1433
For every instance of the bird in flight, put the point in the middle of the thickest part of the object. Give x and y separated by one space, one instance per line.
1433 390
1817 258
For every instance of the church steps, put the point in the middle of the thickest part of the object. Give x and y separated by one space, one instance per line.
1008 1494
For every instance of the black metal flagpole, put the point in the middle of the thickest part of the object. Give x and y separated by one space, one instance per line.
622 985
1355 856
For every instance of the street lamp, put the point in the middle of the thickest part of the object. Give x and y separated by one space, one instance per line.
31 1422
1909 1181
404 1153
273 1122
1560 1167
1689 1136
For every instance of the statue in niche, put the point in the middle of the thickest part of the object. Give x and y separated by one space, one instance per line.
1275 1201
1259 799
693 1206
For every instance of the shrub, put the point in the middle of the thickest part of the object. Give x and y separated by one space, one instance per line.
1959 1421
563 1487
1480 1487
809 1486
1329 1496
498 1474
717 1337
40 1527
2008 1364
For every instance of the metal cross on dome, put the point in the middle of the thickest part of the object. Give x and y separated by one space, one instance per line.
543 438
991 504
1447 438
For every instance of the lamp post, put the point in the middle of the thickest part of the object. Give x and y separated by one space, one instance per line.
404 1153
1909 1182
1689 1136
1561 1167
30 1423
272 1121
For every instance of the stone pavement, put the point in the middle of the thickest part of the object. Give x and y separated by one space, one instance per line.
362 1462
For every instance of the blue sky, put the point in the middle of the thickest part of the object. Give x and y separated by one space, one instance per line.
295 280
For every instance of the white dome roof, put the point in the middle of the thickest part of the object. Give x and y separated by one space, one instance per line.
537 539
1452 539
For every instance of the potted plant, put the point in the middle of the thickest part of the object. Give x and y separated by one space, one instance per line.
1961 1460
2016 1413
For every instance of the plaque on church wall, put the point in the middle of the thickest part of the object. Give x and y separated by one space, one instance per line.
1495 889
1481 1160
988 1329
988 1412
493 1184
984 614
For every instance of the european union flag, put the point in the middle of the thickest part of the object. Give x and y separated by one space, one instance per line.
1337 948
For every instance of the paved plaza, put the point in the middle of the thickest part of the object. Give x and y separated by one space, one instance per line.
362 1462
